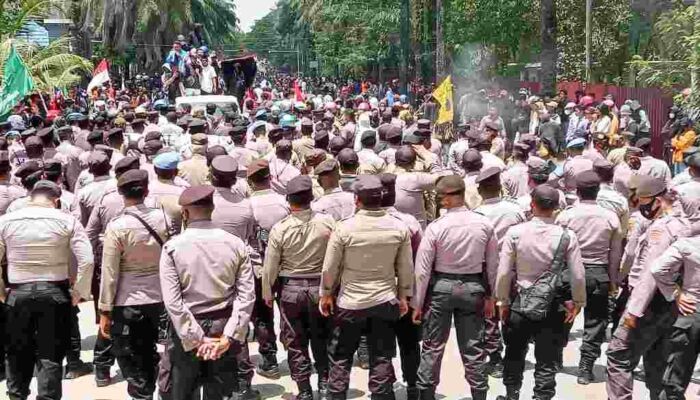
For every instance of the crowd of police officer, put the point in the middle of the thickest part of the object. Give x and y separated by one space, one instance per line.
360 243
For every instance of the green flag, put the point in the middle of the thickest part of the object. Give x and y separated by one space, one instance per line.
17 82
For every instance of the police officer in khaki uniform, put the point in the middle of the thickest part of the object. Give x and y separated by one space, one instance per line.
163 192
600 239
457 258
375 279
86 199
40 294
130 297
681 258
349 163
648 318
528 251
503 214
195 170
335 201
294 259
213 309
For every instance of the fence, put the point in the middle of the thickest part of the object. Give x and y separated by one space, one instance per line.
654 101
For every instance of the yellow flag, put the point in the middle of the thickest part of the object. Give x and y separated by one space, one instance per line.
443 95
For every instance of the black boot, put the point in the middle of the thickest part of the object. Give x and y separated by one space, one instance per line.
77 369
363 353
323 386
426 394
585 373
412 392
559 363
383 396
305 391
246 392
511 394
495 366
479 394
269 368
102 377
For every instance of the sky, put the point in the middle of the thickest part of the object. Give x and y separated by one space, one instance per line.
250 10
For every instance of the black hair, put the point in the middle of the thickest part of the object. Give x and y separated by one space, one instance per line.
301 199
588 193
134 192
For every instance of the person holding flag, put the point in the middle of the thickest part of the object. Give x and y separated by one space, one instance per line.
17 82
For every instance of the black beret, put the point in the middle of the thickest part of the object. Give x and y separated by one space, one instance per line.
587 179
603 165
95 136
238 130
537 166
44 132
105 149
643 143
152 114
337 144
405 155
64 130
98 159
197 195
151 147
275 134
28 132
450 184
53 165
471 156
546 196
126 163
393 132
412 138
27 169
299 184
423 133
368 185
325 167
488 173
47 187
388 180
138 121
152 135
368 137
283 145
320 135
259 167
423 123
115 132
224 165
348 156
197 123
133 177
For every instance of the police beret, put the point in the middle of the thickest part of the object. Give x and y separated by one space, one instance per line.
348 156
545 196
95 136
28 132
492 126
283 145
53 165
238 130
197 195
325 167
133 177
412 138
98 159
167 161
488 173
603 165
138 121
643 143
471 156
151 147
125 164
44 132
196 123
223 165
314 157
152 135
634 150
320 135
576 143
33 142
367 185
105 149
27 169
199 139
368 137
450 184
115 132
423 123
393 132
337 144
62 131
388 180
405 155
299 184
693 160
182 122
259 167
423 133
47 187
587 179
649 186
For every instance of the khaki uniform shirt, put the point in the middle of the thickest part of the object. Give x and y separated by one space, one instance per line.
89 196
194 170
303 146
243 156
370 162
528 251
281 172
460 242
472 198
656 168
612 200
232 213
410 187
296 248
39 243
681 258
366 256
515 180
389 155
8 194
599 235
503 213
573 167
165 195
203 270
131 259
336 203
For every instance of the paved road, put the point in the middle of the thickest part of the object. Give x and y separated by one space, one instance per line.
453 385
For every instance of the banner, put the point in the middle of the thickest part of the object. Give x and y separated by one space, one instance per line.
17 82
99 76
443 96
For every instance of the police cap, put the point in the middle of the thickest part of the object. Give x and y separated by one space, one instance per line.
27 169
133 177
53 165
450 184
202 195
650 186
587 179
325 167
299 184
471 157
546 197
348 156
405 155
125 164
259 168
225 166
488 174
47 188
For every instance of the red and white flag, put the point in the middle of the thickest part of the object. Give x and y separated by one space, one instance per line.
99 76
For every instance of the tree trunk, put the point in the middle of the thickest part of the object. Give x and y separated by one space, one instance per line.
549 54
440 71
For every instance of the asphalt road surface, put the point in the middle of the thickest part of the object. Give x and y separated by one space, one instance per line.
452 386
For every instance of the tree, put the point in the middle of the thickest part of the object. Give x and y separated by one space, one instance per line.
549 54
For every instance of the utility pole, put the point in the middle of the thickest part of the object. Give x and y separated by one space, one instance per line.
403 72
439 42
589 34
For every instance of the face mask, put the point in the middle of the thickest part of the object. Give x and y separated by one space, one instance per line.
648 211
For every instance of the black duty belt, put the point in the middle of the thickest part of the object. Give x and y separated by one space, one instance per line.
461 277
218 314
40 285
292 281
